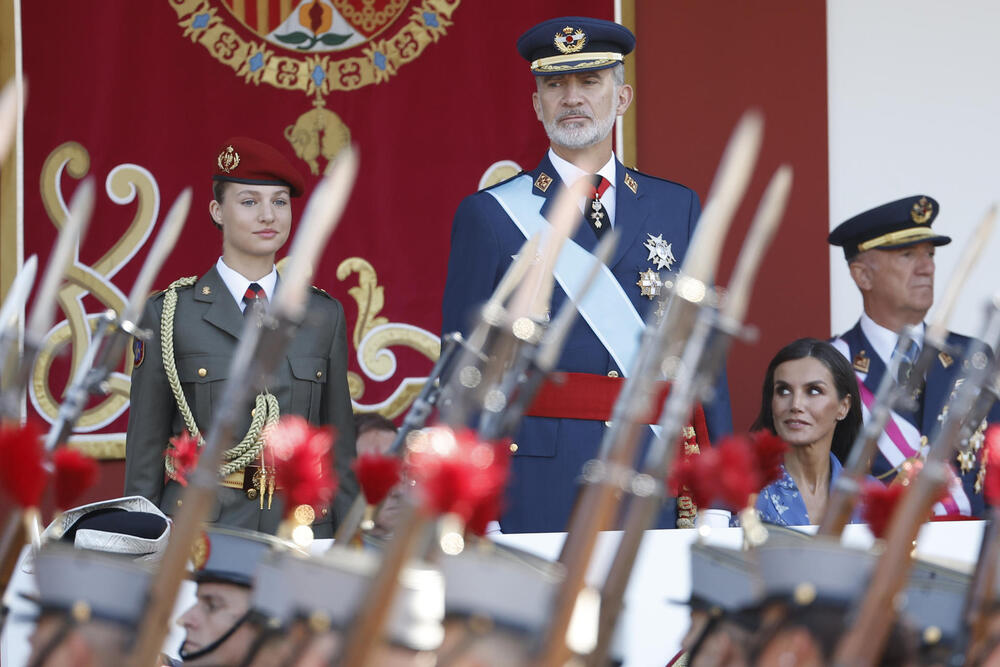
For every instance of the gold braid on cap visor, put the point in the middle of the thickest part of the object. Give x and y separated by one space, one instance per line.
573 61
895 238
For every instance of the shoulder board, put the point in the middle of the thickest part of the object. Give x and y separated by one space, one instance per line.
321 291
636 172
506 180
176 285
183 282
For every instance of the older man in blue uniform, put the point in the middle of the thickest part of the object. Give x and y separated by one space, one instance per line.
580 91
890 253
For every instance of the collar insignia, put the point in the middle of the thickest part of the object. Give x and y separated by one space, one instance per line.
206 290
861 362
630 182
660 252
945 359
921 211
543 181
228 159
649 283
569 40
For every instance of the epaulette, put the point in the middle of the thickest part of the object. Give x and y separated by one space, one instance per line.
633 170
189 281
506 180
321 291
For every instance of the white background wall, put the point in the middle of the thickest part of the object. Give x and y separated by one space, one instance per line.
914 108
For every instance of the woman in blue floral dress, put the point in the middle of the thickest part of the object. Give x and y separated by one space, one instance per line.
810 400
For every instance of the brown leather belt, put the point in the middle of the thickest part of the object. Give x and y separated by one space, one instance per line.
240 479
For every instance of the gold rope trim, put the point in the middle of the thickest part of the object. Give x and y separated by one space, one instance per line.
580 60
265 412
892 238
687 511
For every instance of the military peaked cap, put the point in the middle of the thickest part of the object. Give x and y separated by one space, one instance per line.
575 44
898 224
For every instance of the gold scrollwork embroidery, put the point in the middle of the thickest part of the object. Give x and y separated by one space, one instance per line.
374 335
126 183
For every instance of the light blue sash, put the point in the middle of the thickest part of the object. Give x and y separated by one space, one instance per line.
605 306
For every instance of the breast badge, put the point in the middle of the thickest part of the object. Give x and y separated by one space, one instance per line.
660 252
649 283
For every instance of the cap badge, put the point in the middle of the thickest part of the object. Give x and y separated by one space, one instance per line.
660 252
922 211
543 181
649 283
569 40
200 551
229 159
861 362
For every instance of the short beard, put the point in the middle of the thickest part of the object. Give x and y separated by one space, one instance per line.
580 137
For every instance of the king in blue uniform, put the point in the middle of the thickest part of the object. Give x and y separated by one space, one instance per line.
890 253
577 64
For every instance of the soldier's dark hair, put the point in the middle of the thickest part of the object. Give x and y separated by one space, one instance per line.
843 379
372 421
218 192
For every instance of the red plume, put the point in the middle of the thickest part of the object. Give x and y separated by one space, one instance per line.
456 473
878 502
184 451
75 472
770 453
991 459
302 462
22 470
737 471
730 472
377 474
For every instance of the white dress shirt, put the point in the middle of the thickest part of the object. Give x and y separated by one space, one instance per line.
570 174
238 283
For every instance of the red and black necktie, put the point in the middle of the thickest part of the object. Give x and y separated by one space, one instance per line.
254 296
593 211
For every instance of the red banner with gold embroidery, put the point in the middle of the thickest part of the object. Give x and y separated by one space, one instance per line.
139 95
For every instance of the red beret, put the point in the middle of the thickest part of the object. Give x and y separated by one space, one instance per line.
243 160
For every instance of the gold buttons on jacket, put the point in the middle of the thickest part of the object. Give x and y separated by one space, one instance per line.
513 448
319 374
202 372
612 374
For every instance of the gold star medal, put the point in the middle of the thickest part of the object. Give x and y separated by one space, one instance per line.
660 252
649 283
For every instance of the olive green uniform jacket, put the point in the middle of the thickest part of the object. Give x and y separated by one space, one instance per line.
311 381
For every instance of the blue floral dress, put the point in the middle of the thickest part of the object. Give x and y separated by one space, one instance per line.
781 503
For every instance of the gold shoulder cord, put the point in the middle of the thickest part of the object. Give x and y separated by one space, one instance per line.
265 411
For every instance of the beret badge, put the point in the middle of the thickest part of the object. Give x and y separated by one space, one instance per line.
922 211
229 159
569 40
